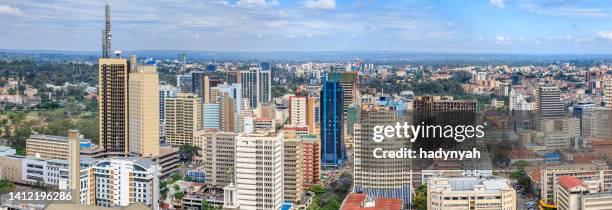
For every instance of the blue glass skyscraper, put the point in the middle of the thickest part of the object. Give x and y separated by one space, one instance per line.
333 150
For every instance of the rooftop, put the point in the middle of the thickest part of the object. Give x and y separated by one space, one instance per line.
355 201
569 182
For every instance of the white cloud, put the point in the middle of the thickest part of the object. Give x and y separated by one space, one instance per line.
497 3
6 9
257 3
320 4
605 35
502 39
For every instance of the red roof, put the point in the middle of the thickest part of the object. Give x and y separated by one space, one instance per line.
569 182
353 202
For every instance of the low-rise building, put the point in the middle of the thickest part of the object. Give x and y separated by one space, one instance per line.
49 146
470 193
575 194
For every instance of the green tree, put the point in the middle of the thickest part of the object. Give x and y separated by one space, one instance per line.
317 189
6 186
420 198
179 195
187 151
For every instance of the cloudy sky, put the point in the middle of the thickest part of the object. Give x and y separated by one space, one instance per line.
472 26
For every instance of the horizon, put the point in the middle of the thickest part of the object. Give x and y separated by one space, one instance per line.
509 27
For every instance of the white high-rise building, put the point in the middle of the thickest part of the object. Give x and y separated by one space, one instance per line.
259 171
297 111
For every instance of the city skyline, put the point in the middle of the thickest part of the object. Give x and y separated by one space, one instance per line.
485 26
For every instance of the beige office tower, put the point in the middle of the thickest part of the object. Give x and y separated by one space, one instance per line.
227 109
380 177
74 165
217 154
144 111
310 114
113 76
294 164
183 118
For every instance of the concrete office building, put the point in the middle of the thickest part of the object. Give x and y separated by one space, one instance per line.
217 155
265 86
184 83
50 147
183 118
349 81
608 94
587 172
259 171
227 106
234 91
113 77
298 111
470 193
549 102
602 127
380 177
165 91
576 194
294 163
250 81
144 111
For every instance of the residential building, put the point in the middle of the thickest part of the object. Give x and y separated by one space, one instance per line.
119 182
183 118
311 168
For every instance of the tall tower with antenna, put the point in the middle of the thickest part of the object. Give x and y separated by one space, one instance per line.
106 33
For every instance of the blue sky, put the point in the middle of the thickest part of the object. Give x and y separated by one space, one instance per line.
461 26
